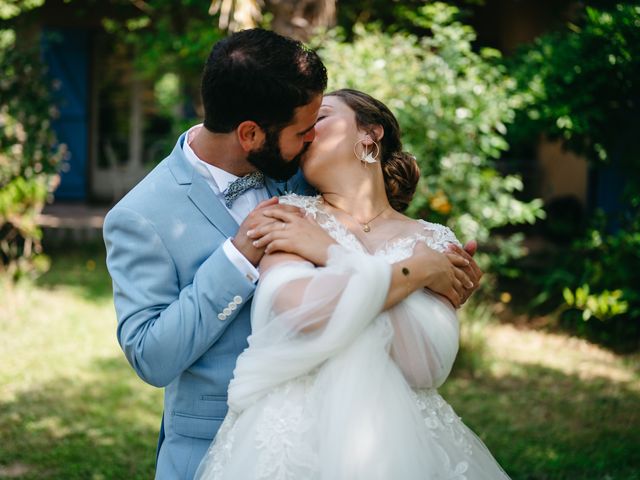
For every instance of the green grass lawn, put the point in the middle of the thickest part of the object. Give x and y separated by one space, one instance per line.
548 406
70 405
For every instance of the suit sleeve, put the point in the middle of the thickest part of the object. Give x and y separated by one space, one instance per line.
163 329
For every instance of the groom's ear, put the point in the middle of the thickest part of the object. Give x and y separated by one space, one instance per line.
250 135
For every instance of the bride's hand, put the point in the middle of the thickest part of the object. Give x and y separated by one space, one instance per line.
291 233
445 273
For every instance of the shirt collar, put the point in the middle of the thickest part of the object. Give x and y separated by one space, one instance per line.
219 177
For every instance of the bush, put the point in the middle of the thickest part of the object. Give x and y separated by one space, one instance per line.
453 105
29 157
582 85
591 284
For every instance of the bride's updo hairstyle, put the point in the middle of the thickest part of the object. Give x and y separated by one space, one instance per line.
400 169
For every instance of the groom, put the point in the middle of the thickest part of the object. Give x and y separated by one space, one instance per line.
182 264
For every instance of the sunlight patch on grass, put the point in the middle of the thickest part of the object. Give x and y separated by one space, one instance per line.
70 405
49 333
569 355
14 470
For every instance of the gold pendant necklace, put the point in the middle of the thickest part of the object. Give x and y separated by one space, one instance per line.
366 227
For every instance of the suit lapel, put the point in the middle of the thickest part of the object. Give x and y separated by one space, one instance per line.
211 207
205 200
199 192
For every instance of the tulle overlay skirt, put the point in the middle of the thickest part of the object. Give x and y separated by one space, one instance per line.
354 418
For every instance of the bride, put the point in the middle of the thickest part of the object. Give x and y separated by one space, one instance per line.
341 374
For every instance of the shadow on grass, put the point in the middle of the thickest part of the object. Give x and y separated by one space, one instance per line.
105 428
537 292
543 424
540 423
82 268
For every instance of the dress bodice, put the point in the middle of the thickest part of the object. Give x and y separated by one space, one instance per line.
434 235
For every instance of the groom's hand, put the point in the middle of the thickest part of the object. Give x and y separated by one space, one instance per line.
257 219
472 271
442 273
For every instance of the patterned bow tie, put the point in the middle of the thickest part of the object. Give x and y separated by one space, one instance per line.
241 185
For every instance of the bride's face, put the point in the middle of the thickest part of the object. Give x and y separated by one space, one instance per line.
336 135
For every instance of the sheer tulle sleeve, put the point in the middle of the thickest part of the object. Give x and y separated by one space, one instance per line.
425 339
303 315
426 331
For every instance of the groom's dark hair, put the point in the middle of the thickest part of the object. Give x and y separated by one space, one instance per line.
261 76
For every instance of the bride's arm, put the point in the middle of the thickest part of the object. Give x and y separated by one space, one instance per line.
407 276
303 238
303 315
288 298
425 340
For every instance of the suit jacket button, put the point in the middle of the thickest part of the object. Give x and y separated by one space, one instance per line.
232 306
237 299
227 311
222 316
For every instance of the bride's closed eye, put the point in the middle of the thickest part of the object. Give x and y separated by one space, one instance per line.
321 117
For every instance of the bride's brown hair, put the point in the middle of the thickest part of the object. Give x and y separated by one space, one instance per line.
400 169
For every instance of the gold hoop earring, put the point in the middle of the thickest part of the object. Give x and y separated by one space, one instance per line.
366 156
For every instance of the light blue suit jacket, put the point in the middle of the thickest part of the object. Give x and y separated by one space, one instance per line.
171 282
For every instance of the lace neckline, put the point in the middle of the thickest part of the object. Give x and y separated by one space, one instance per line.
435 236
332 224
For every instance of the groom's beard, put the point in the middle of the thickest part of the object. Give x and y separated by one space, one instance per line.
269 159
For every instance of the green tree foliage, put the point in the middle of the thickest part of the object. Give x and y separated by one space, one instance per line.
29 156
584 84
12 8
453 105
168 36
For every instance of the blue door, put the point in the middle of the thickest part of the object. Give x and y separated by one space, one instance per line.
66 53
608 184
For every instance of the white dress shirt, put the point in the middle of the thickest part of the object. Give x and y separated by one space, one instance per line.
219 180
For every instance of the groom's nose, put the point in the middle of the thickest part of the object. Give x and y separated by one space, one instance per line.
309 136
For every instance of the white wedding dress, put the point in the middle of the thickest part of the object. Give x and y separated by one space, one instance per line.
333 388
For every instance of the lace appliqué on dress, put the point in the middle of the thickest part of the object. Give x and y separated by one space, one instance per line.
328 222
218 456
435 236
440 419
282 437
439 236
309 204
